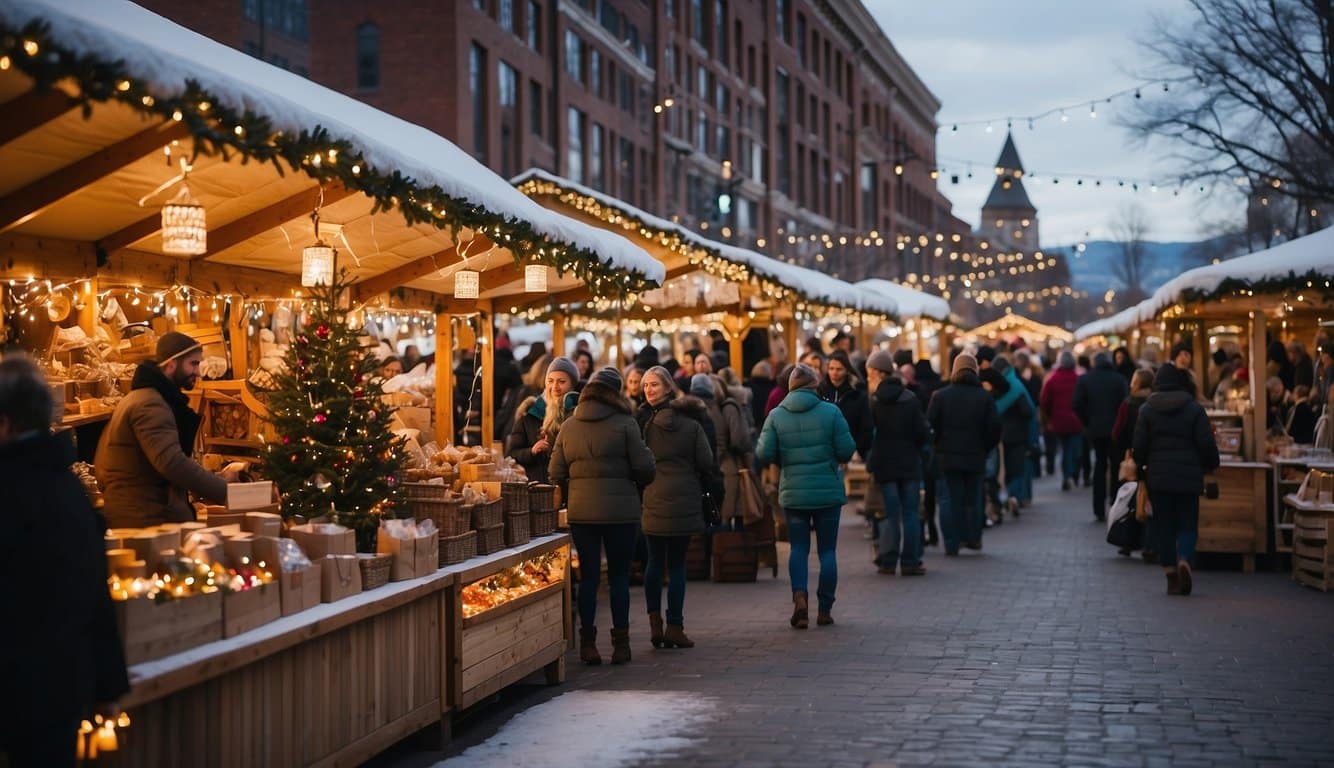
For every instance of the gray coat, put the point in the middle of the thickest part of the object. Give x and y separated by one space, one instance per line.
600 461
672 501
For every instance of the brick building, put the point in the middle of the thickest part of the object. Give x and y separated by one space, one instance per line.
789 126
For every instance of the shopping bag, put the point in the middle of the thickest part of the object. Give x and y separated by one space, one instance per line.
1123 531
752 503
1143 510
1128 472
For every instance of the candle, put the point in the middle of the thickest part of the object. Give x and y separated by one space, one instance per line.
106 738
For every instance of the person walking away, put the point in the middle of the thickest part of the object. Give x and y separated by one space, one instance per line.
808 439
761 385
900 439
602 466
1174 448
1057 404
999 389
1123 441
1018 433
674 433
928 383
61 659
701 386
965 426
539 419
840 388
1098 396
736 448
143 461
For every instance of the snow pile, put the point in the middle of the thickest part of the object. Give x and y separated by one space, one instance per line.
164 55
602 728
913 304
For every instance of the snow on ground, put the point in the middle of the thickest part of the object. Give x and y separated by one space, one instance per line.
602 728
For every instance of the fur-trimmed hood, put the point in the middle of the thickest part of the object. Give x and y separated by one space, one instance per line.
597 402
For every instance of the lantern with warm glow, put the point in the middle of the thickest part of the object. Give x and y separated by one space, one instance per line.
466 284
317 264
184 232
535 278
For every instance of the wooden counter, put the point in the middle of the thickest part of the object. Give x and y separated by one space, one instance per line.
1237 521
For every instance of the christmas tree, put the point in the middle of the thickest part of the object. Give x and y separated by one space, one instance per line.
335 454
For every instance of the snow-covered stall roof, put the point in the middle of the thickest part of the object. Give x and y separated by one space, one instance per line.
912 303
808 284
1119 323
154 64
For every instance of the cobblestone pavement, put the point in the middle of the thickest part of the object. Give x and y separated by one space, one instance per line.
1045 649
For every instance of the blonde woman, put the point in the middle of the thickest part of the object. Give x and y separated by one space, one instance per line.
540 419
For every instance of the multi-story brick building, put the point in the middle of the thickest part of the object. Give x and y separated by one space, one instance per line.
790 126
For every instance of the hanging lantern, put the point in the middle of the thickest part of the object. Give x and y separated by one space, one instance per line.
466 284
535 278
317 264
184 232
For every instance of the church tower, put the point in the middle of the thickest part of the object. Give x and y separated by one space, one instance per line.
1008 216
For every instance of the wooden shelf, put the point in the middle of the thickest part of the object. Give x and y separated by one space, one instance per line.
81 419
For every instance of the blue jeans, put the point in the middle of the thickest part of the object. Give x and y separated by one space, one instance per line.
1176 524
619 541
961 514
901 546
1072 455
671 552
824 522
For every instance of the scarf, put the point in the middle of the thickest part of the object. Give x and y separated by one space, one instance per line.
149 376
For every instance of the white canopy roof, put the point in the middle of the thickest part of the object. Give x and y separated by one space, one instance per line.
913 304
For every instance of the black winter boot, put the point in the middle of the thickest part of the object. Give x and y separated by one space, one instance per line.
620 646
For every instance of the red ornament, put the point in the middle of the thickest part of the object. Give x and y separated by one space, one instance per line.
319 418
322 332
372 415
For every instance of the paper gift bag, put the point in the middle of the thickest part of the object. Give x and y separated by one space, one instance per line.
403 551
320 539
263 523
427 554
340 577
243 496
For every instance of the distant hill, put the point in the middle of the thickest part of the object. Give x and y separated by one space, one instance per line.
1092 269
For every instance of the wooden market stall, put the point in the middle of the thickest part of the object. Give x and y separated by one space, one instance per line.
94 97
1280 294
1033 332
924 315
706 281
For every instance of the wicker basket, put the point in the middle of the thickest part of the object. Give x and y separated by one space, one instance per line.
450 515
515 496
456 549
490 539
487 514
541 497
542 522
430 491
517 530
374 570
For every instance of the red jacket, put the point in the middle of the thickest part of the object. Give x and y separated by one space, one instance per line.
1057 402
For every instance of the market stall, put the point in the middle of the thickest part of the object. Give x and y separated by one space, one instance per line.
1034 334
275 194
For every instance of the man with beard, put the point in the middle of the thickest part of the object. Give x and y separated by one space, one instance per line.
143 459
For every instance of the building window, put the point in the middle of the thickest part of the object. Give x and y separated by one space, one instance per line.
720 30
594 71
574 56
868 184
250 9
505 15
697 29
702 133
627 168
508 86
574 144
477 86
596 178
780 16
368 56
781 151
801 39
535 108
534 22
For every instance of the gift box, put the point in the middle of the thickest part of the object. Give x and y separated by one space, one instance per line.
340 577
247 496
298 588
250 608
263 523
217 516
151 630
150 543
413 558
239 549
320 539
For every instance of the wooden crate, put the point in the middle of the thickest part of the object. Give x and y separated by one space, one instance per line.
1237 521
1312 558
509 642
151 630
251 608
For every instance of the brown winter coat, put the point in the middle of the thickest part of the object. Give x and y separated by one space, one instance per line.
681 452
600 459
736 451
143 471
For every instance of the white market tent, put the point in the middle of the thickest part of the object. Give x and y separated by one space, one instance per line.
912 304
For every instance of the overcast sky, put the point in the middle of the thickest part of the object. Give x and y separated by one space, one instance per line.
991 58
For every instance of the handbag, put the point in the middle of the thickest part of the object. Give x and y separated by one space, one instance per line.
1127 472
1143 510
752 504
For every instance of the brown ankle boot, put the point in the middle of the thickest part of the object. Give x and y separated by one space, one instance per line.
588 646
824 619
1184 577
675 637
620 646
1173 581
655 629
801 617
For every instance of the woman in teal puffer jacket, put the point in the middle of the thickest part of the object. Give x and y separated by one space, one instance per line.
809 438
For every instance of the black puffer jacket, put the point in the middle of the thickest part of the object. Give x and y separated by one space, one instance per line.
856 411
674 432
1098 396
900 434
966 426
600 458
1174 444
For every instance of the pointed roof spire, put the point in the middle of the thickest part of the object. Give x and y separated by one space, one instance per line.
1008 192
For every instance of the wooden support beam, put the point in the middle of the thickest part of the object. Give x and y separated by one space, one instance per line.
488 353
31 111
575 295
89 314
413 270
138 267
24 256
790 327
1254 443
271 217
131 234
236 332
499 277
558 322
23 204
418 299
444 379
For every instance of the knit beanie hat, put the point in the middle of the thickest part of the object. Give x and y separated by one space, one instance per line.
802 378
1066 360
1000 365
964 362
985 354
1183 346
174 345
882 361
902 357
608 377
566 366
701 385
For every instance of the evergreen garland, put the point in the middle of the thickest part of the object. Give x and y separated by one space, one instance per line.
221 130
335 453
